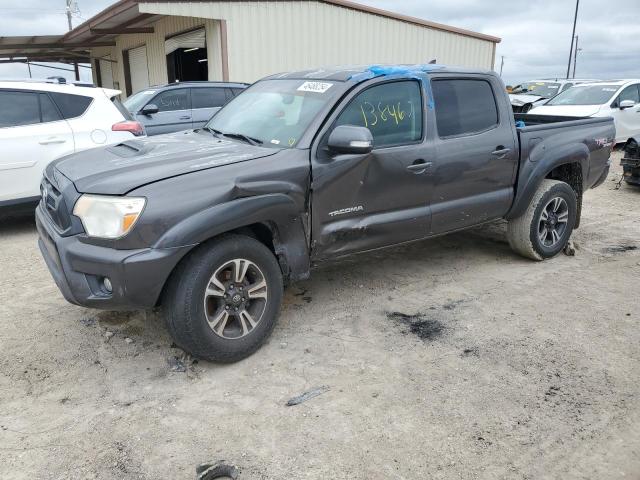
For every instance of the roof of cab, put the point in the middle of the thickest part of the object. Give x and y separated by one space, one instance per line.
358 73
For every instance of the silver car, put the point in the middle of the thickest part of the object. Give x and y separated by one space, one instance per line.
180 106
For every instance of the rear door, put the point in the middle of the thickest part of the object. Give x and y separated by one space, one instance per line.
174 112
32 134
206 101
476 152
362 202
627 120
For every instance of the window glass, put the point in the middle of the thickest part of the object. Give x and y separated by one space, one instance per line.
629 93
208 97
392 111
464 106
121 108
19 108
71 106
237 91
275 112
170 100
138 100
567 86
49 111
585 94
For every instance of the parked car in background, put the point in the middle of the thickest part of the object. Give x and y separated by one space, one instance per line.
619 99
180 106
526 95
44 120
302 168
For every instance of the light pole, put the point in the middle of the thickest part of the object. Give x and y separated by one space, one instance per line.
573 34
575 57
70 8
501 64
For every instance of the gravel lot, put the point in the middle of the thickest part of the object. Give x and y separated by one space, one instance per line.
449 358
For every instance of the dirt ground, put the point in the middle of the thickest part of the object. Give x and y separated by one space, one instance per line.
447 359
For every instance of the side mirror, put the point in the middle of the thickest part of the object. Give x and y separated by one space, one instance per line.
627 104
351 140
150 109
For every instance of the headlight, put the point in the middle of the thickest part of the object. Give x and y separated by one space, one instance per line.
108 217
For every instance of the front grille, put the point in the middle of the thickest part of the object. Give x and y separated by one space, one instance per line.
53 203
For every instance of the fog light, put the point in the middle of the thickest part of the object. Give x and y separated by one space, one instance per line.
107 284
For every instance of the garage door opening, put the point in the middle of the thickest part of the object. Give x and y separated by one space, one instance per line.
187 57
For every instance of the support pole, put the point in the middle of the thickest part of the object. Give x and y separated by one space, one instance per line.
573 34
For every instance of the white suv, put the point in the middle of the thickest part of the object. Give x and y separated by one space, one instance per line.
42 121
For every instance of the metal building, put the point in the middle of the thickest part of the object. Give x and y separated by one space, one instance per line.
137 43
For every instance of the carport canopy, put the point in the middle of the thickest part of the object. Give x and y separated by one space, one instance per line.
74 47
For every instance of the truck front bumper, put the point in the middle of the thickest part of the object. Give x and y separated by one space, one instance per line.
79 269
631 170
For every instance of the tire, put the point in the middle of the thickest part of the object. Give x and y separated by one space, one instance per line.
526 233
195 305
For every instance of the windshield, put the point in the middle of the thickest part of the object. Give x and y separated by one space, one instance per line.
540 89
274 112
585 95
135 102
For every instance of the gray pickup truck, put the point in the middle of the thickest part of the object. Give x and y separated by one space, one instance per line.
301 168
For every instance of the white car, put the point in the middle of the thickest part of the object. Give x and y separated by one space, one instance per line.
42 121
619 99
526 95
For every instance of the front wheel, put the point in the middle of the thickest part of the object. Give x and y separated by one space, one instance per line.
544 229
223 300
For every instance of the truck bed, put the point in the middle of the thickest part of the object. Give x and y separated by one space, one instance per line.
546 120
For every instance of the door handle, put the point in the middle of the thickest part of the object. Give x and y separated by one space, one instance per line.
52 140
419 166
186 117
501 152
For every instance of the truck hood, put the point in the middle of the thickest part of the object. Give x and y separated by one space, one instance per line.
118 169
566 110
520 99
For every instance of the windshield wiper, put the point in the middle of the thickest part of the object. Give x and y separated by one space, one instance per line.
212 130
246 138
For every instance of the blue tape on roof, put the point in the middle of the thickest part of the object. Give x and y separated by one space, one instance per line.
417 72
414 71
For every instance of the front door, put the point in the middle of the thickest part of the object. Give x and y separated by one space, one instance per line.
174 112
477 154
362 202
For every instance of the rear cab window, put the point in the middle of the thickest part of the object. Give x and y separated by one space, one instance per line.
391 111
464 106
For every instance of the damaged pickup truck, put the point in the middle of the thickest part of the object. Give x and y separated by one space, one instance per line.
301 168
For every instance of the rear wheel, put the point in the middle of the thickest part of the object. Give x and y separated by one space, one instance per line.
544 229
223 300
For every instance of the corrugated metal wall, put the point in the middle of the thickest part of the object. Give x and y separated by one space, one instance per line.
270 37
157 63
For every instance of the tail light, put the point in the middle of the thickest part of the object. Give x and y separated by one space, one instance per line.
130 126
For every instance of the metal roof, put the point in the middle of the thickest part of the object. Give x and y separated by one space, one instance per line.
124 17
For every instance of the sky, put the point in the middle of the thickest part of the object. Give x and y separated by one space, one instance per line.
536 35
